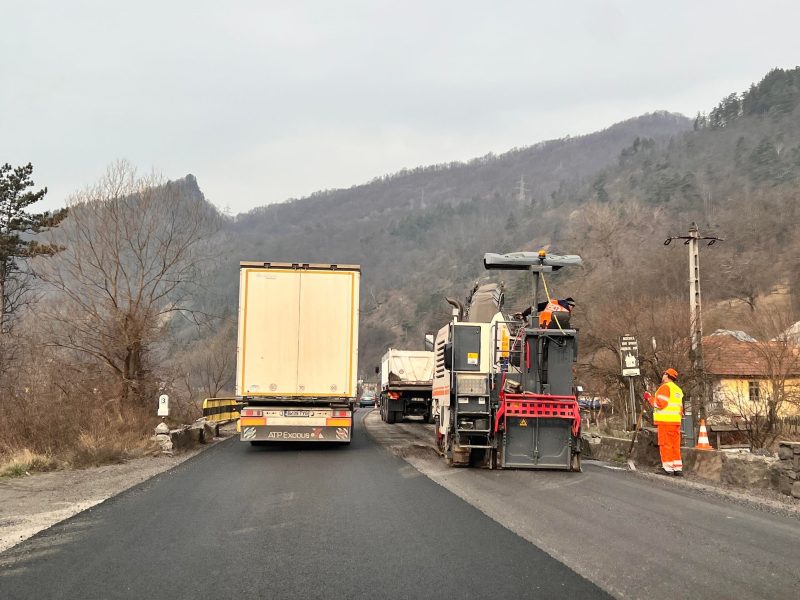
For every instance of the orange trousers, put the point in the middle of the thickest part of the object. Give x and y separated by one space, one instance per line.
669 444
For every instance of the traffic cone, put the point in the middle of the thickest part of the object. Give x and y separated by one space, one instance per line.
702 440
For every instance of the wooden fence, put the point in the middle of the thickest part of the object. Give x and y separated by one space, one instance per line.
787 425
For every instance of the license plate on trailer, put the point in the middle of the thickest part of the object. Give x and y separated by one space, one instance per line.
297 413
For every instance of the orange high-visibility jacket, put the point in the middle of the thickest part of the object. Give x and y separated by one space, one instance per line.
546 316
668 404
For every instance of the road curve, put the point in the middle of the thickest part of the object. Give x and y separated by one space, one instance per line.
286 522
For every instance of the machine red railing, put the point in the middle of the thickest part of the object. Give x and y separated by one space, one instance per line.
538 406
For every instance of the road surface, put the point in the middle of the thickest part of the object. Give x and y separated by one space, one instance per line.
635 535
286 522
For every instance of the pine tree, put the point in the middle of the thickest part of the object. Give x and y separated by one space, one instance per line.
15 225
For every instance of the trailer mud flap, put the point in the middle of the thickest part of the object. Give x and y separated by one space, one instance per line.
538 443
294 433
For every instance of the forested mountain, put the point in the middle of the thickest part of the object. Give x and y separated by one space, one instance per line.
612 196
420 234
737 174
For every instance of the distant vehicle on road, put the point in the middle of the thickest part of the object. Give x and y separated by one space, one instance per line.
367 400
406 378
590 402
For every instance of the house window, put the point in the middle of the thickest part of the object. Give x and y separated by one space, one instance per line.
753 391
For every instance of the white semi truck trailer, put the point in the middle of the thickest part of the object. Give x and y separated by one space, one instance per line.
297 354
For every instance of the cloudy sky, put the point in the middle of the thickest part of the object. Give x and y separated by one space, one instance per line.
263 101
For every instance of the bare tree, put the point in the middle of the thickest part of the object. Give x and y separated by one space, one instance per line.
647 318
766 385
208 365
779 357
134 249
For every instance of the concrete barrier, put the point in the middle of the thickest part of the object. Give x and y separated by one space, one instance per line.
185 437
743 470
748 471
706 464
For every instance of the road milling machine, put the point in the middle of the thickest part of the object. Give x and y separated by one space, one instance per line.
503 391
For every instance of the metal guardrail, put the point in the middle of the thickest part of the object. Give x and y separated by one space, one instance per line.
221 409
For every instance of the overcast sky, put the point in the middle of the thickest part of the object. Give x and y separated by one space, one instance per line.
263 101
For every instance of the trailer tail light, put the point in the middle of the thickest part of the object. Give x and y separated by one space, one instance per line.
340 413
394 395
252 412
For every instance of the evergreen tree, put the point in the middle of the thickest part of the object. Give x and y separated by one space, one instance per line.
16 224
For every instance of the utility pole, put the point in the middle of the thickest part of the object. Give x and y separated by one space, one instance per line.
695 306
521 191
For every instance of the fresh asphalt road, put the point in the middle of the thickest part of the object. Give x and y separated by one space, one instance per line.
636 535
286 521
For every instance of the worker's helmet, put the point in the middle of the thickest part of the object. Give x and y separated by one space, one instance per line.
671 373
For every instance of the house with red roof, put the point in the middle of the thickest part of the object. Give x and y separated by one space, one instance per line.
748 375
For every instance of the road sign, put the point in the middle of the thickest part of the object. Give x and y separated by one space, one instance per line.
163 405
629 355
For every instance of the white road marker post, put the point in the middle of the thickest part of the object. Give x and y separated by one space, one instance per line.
162 429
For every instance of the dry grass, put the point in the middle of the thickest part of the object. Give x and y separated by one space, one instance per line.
109 447
24 462
48 430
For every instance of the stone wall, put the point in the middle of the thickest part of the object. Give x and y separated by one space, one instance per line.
739 469
615 449
185 437
788 468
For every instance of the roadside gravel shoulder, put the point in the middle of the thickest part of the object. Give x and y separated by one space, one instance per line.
33 503
769 501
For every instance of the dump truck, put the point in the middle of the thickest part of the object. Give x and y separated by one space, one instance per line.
406 378
297 354
504 394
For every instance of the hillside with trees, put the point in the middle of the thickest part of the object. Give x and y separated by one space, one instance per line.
737 175
133 290
420 234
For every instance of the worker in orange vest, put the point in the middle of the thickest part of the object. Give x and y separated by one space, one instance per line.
667 412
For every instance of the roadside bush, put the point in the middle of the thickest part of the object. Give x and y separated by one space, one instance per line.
59 411
24 461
